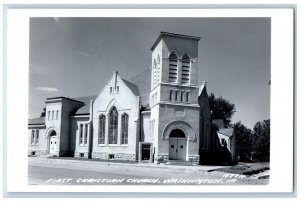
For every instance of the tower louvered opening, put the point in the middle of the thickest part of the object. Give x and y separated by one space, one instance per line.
185 75
173 68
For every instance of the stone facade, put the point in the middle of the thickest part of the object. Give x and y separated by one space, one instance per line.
172 122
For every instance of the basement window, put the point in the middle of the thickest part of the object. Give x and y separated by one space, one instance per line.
111 156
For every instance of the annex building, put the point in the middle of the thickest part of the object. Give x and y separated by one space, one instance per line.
161 115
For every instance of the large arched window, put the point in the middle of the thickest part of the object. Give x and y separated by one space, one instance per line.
173 67
101 137
124 129
113 126
185 73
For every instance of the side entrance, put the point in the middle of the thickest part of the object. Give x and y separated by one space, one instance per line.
52 142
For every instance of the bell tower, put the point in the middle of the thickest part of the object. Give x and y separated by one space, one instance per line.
174 89
174 71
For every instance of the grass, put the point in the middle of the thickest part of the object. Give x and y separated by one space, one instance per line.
246 169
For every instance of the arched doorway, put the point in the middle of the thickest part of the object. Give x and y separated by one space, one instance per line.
177 145
52 142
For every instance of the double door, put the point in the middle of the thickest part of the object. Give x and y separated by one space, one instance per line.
177 148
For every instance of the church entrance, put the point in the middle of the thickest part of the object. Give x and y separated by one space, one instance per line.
52 142
177 145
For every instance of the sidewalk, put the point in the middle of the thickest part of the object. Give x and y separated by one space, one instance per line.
72 161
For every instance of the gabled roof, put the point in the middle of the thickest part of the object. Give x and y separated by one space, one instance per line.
36 121
202 88
143 82
134 88
226 131
86 100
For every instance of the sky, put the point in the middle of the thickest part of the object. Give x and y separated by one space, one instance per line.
75 57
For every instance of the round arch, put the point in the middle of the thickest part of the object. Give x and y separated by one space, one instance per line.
181 125
50 130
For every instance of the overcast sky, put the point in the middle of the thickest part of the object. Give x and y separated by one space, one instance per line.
75 57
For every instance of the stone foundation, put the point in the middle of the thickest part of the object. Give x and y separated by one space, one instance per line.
161 158
36 152
194 159
114 156
81 155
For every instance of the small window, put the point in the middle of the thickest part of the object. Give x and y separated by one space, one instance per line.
187 97
32 137
81 155
111 156
85 134
172 146
56 115
52 115
176 93
181 96
181 146
110 89
170 96
37 136
117 89
48 115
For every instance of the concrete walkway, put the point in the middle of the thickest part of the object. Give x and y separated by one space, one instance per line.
72 161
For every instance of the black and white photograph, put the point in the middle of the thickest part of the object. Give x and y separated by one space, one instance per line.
149 101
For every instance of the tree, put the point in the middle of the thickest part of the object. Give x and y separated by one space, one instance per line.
243 137
43 114
221 109
261 140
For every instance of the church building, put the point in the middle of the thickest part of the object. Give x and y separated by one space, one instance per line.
162 115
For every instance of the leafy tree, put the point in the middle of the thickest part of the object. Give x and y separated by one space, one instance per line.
243 137
43 114
221 109
261 140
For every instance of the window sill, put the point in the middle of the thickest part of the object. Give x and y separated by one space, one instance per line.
124 145
113 145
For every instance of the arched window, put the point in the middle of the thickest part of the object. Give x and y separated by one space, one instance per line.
81 134
185 73
173 67
124 129
101 135
113 126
